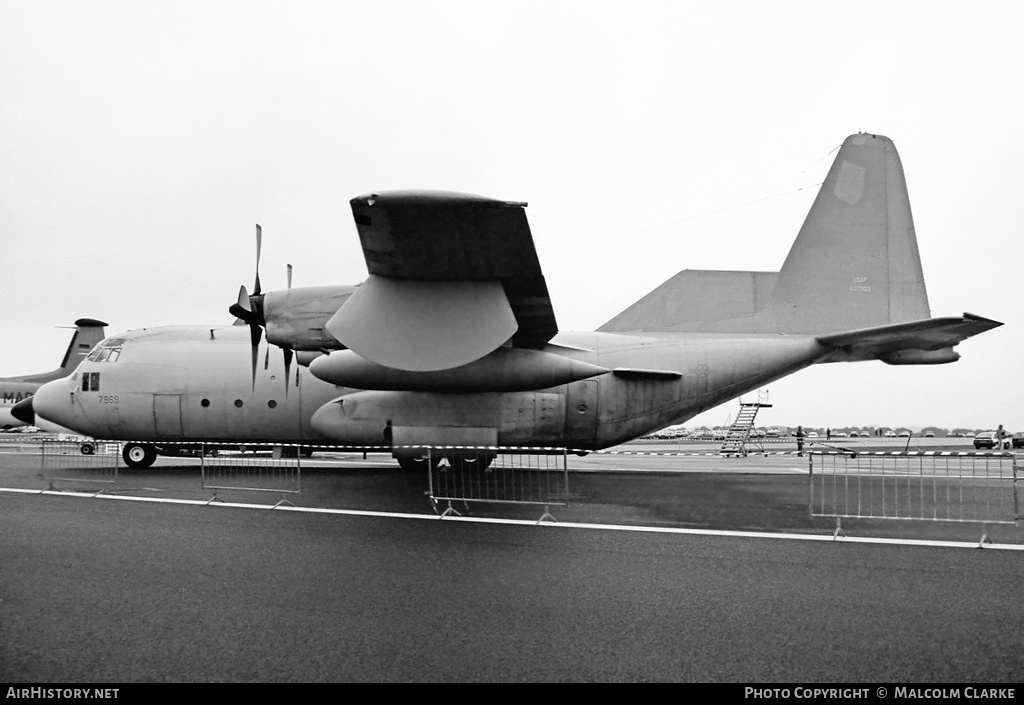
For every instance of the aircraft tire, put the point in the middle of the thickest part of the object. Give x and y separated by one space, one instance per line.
138 455
417 464
87 448
476 463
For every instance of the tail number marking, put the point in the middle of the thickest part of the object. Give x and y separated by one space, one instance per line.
859 284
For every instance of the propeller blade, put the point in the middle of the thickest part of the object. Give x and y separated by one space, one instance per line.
287 367
259 247
255 335
289 276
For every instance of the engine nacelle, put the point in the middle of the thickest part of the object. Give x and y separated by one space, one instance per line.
306 357
504 370
297 318
921 357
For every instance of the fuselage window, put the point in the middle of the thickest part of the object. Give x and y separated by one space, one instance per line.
204 403
238 403
272 403
91 382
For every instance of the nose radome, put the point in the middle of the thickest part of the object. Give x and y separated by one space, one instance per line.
23 412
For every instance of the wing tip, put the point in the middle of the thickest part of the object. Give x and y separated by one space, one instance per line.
430 197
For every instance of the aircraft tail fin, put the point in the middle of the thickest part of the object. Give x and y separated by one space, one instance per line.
88 333
854 264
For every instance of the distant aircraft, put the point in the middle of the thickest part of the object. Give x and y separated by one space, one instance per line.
451 341
88 333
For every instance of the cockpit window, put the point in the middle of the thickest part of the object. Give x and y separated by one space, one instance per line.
107 351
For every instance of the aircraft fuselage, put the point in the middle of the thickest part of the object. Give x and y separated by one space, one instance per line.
194 383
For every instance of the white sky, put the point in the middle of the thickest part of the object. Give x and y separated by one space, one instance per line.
141 141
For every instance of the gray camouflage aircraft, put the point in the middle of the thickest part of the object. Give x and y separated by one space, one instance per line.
88 333
452 342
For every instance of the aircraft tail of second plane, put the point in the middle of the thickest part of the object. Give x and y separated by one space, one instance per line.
88 333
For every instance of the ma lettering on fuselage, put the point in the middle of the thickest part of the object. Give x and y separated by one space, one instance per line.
14 398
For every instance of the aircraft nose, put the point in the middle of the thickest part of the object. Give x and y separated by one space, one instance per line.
24 412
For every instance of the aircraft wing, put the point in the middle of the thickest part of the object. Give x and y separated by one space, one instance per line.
928 341
452 277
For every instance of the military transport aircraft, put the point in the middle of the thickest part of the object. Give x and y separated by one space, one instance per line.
451 341
87 333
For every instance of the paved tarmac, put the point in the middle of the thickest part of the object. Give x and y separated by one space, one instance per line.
646 577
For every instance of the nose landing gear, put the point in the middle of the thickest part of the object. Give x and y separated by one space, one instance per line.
138 455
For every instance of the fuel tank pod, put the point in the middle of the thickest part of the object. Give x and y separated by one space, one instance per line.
504 370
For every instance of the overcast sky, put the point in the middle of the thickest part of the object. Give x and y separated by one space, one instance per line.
141 141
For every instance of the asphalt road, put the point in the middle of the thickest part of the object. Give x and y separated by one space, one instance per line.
104 590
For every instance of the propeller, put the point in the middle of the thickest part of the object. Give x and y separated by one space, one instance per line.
250 308
287 351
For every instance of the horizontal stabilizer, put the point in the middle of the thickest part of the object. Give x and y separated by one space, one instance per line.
927 341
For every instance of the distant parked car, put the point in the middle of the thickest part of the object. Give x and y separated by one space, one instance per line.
929 434
1017 441
989 439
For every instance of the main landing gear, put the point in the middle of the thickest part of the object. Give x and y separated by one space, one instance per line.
481 462
417 464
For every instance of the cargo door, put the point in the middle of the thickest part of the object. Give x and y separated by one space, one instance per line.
167 415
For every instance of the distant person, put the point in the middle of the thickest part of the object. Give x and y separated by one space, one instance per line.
999 437
828 434
800 440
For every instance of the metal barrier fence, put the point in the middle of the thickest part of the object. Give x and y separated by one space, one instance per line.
496 476
259 468
961 487
80 461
